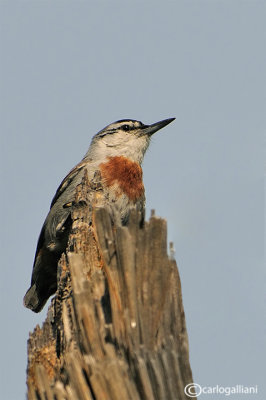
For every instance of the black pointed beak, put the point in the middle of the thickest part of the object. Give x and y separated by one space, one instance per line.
151 129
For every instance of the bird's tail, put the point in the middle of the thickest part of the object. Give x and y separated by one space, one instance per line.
32 300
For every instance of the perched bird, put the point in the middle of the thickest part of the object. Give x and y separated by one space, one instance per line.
116 154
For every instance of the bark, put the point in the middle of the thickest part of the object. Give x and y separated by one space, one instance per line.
116 326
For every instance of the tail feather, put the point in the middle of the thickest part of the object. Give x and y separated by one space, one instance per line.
32 300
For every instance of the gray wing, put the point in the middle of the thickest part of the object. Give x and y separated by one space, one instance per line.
52 242
67 181
56 224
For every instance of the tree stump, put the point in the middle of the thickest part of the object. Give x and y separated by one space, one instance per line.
116 328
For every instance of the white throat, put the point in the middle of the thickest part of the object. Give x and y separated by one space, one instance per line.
129 146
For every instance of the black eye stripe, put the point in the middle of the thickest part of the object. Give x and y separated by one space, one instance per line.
123 125
109 132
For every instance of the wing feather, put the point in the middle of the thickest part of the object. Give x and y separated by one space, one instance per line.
67 181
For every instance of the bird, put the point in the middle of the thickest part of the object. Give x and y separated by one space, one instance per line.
116 153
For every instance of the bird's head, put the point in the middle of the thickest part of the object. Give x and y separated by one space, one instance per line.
127 137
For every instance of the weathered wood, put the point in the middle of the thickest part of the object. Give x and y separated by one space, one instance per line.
116 326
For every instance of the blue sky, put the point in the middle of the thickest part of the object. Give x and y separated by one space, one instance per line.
70 68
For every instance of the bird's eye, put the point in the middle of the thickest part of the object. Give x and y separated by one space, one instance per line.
126 127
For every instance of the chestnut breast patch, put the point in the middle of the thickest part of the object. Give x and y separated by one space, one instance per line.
124 172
